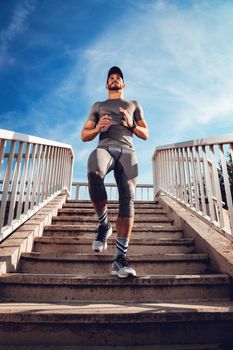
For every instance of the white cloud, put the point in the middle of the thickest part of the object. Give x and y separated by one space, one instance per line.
15 27
17 23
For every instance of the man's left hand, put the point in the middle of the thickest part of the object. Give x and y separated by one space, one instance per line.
127 117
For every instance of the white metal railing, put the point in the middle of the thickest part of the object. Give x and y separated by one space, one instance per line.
198 174
32 172
143 192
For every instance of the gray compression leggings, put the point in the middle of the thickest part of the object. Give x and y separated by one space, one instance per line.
124 163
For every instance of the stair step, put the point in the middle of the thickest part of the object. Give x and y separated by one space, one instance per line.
153 231
74 219
96 264
216 346
110 202
149 288
98 326
111 212
114 347
83 245
114 205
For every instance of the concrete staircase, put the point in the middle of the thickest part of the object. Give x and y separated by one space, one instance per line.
63 295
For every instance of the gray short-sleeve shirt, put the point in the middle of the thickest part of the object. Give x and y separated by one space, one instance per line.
118 134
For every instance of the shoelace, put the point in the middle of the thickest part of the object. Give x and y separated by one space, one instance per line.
102 233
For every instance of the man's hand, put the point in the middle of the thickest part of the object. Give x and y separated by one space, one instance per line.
127 117
104 123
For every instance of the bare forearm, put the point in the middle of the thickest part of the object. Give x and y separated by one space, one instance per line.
90 130
141 132
89 135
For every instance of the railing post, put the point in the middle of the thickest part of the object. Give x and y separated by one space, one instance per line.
217 188
200 182
155 187
15 184
30 179
77 191
22 187
2 148
209 191
6 183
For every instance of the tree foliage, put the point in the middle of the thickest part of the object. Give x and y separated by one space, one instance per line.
230 178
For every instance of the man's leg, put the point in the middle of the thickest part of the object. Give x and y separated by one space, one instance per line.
100 163
124 227
126 172
101 211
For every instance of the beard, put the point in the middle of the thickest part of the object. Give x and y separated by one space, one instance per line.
114 88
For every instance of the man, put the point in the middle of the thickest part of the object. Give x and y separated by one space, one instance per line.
115 121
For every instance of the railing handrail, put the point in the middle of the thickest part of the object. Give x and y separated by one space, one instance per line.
11 135
209 141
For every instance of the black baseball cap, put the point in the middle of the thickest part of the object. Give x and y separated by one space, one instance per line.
115 70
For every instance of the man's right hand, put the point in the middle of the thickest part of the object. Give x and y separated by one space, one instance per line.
91 129
104 123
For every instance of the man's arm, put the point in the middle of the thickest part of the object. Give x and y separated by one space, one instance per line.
141 129
89 132
91 129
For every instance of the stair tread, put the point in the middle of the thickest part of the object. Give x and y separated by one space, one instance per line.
115 312
155 228
111 210
137 203
93 219
111 241
113 205
109 201
73 279
103 258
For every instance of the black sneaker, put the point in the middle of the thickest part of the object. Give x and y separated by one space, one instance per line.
121 267
100 242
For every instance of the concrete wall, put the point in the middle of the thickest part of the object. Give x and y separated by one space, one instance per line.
207 239
21 240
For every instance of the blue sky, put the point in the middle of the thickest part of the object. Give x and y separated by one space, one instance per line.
176 57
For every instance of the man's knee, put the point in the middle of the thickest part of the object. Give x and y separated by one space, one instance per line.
96 187
94 177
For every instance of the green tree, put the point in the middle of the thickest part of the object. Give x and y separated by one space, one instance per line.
230 178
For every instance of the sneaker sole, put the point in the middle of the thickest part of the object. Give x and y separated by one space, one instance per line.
129 275
99 250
